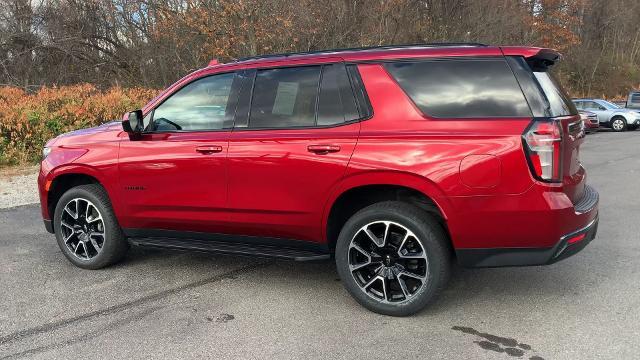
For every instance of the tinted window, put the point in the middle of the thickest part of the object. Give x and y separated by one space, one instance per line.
245 83
336 102
200 105
362 100
462 88
579 104
590 105
537 101
559 102
285 97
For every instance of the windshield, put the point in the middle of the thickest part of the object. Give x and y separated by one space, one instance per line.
609 105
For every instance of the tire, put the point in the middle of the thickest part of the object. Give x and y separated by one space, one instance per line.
94 225
618 124
426 243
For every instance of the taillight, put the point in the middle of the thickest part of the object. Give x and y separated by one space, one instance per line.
543 140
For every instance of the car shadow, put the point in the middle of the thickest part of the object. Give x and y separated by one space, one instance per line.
466 287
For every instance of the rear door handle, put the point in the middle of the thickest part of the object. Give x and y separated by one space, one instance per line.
209 149
323 149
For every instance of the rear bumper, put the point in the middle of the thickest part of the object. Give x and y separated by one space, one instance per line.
591 126
572 244
537 237
566 247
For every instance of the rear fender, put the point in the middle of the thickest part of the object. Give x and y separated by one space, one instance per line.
415 182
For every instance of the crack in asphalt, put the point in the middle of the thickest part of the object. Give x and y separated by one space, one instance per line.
84 337
6 209
25 333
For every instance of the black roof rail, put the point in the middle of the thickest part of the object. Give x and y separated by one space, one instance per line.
365 48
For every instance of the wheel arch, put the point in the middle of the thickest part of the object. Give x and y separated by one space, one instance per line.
620 116
64 178
347 198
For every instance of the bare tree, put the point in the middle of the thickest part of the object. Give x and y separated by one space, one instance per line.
152 42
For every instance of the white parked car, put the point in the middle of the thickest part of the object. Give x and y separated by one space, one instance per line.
609 114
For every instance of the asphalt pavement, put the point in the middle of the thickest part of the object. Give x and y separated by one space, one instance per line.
163 304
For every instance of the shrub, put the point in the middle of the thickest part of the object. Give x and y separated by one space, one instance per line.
29 120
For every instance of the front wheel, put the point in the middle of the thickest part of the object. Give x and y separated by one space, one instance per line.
86 228
618 123
393 258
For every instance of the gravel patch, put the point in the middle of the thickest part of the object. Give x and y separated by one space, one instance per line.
18 186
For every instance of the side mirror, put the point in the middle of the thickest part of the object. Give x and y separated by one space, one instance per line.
133 123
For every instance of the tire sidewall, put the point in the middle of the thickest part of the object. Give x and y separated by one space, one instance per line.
624 123
113 238
427 235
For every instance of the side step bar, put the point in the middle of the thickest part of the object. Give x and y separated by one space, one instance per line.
222 247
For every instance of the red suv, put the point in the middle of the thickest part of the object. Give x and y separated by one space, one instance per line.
396 161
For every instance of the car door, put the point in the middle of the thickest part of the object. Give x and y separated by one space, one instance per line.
579 104
601 111
174 177
292 141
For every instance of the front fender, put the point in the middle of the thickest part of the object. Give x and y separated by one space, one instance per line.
48 174
630 119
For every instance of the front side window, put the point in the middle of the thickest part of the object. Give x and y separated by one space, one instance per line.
285 98
200 105
462 88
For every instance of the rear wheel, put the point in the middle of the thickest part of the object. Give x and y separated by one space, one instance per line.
393 258
618 123
86 228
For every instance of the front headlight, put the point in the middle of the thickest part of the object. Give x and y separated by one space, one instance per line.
45 152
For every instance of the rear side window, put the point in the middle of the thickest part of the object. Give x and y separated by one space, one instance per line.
362 100
285 97
543 92
336 103
591 105
465 88
307 96
559 102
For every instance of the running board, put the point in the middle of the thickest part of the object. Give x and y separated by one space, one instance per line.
231 248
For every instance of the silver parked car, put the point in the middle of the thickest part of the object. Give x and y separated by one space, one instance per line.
610 114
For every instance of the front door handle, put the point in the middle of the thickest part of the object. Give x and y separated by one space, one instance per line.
206 150
323 149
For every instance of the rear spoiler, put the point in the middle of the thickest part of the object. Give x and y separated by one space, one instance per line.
539 59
